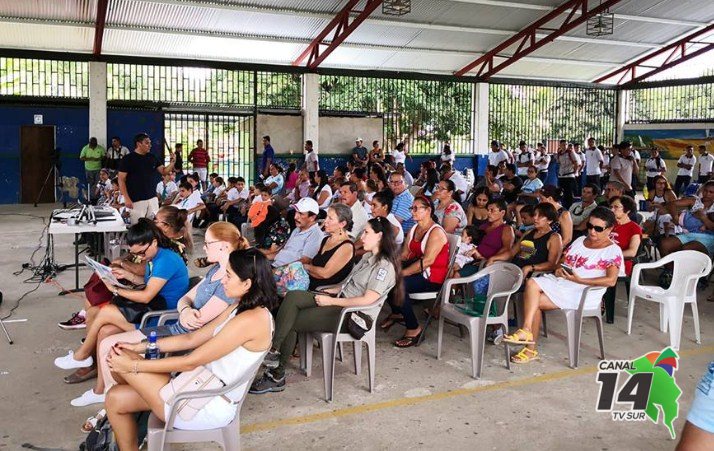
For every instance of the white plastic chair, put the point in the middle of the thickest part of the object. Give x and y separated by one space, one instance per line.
689 267
453 241
574 324
160 434
329 342
505 279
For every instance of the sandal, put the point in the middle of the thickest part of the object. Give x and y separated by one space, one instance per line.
407 342
525 355
520 337
81 375
91 422
391 320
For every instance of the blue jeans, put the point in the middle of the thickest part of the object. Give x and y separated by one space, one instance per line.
416 283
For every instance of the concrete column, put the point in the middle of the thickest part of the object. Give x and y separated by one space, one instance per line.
623 100
479 119
310 109
98 102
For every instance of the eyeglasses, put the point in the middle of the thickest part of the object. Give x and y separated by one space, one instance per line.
396 182
416 207
616 207
142 252
598 229
157 221
207 243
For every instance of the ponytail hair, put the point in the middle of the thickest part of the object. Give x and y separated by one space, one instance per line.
177 220
228 232
389 250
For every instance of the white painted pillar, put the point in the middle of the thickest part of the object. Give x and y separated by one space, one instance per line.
98 102
623 100
310 109
479 119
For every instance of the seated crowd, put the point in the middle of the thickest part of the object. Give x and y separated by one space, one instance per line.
368 233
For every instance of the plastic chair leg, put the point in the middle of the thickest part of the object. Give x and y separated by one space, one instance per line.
328 363
630 313
371 360
675 311
231 436
695 318
600 336
574 325
357 354
476 334
306 352
340 352
439 337
663 317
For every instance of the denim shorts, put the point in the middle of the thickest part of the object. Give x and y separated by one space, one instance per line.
707 239
701 414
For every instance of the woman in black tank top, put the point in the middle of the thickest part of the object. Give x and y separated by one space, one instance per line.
539 249
334 261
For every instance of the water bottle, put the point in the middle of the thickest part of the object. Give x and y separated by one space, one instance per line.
152 349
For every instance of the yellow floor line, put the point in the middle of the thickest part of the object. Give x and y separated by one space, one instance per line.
400 402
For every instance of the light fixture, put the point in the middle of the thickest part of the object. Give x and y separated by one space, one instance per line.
396 7
601 24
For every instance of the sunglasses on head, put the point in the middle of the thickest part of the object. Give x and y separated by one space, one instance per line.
598 229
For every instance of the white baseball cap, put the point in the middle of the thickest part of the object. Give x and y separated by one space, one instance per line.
307 204
359 139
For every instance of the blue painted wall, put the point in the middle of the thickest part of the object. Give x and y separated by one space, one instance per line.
126 124
72 128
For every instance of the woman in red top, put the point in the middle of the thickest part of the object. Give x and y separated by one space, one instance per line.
425 257
628 235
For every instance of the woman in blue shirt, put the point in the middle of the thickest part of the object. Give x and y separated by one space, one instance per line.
165 281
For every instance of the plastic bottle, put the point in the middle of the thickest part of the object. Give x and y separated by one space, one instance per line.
645 193
152 349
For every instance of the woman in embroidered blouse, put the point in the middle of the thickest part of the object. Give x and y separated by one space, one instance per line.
448 211
594 260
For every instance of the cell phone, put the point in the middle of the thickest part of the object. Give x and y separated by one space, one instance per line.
567 269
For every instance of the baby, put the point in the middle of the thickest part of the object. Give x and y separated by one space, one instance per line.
469 240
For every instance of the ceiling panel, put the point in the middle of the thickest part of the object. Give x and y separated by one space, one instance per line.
47 37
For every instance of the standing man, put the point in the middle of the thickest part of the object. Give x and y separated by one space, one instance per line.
497 155
403 200
622 167
594 161
92 154
359 153
268 157
568 164
581 170
137 179
115 153
706 161
178 159
199 158
542 162
312 162
524 160
686 168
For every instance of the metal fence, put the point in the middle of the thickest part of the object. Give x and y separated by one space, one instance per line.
228 139
686 103
424 114
44 78
544 113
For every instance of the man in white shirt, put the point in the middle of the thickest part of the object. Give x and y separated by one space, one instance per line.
348 196
686 167
497 154
622 167
462 186
706 161
524 160
312 163
593 163
166 188
408 178
568 165
542 162
580 211
189 200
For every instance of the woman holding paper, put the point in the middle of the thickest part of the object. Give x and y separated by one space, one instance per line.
165 279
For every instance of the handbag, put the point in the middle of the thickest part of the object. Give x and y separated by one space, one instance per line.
97 293
358 324
291 277
200 378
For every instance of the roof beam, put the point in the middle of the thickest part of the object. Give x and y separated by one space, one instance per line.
677 52
528 41
632 17
342 25
99 27
402 23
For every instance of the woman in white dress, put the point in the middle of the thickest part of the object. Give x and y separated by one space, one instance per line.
592 260
399 154
227 346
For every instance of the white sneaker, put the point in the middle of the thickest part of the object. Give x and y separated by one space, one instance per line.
69 363
87 398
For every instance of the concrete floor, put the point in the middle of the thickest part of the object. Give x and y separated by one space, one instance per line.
419 402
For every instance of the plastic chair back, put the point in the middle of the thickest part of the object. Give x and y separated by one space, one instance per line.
689 266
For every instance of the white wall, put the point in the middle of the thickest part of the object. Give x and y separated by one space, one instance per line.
338 134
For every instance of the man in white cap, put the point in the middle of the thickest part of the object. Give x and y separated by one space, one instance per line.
359 153
304 241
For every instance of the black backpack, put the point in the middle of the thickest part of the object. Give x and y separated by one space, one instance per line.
101 438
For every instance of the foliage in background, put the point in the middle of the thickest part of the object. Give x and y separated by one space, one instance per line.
44 78
671 104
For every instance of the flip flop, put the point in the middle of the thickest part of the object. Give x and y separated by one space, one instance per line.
75 378
407 342
91 422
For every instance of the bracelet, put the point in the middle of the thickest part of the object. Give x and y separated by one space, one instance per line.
184 308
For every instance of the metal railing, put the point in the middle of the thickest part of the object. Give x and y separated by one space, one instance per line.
681 103
44 78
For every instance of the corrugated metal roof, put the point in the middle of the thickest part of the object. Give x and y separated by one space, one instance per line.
69 10
276 31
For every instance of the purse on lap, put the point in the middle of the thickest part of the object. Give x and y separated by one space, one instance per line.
198 379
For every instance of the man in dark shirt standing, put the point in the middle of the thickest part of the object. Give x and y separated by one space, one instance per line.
178 158
137 179
268 157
